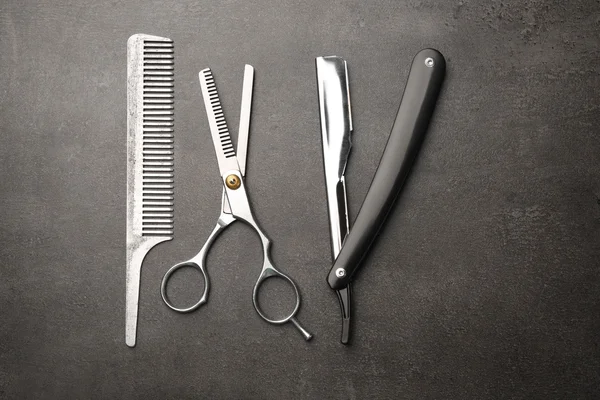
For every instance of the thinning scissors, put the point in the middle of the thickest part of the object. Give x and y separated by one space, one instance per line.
234 202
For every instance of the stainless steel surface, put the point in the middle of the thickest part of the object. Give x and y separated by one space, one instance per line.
225 218
149 159
336 130
238 198
245 111
429 62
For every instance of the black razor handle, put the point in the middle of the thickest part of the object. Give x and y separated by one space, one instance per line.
418 102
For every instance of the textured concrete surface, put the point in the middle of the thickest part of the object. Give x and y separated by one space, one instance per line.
484 283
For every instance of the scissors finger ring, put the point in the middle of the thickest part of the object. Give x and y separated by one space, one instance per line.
198 262
271 272
167 276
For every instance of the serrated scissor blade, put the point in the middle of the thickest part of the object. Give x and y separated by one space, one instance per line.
218 126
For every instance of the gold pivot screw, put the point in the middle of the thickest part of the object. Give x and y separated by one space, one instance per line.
233 181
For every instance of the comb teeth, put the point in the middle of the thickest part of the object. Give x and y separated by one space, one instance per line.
217 110
157 143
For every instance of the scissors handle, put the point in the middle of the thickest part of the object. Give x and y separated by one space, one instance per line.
240 208
269 271
198 262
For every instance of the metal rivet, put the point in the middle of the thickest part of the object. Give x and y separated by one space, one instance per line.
233 181
340 272
429 62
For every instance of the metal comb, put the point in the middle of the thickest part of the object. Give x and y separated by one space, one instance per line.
149 159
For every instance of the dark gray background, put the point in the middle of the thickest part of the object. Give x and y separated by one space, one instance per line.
483 284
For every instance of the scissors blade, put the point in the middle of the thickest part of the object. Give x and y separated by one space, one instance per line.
246 108
218 126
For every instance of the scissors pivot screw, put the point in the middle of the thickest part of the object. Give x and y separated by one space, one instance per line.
340 272
233 181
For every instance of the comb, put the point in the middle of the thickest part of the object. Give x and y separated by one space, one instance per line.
149 159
